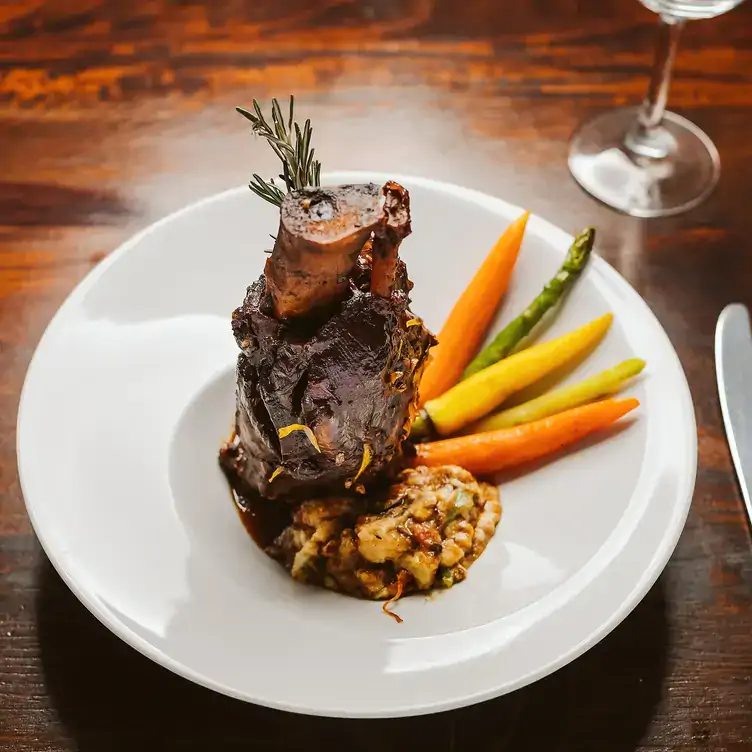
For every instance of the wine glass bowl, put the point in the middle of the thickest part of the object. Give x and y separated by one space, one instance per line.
645 161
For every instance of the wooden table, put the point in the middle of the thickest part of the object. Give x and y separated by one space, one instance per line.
112 114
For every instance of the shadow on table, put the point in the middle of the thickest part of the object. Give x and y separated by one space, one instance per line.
110 698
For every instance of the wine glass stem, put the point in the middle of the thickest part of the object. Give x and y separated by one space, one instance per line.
644 139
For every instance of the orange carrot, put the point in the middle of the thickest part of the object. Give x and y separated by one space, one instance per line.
468 321
485 453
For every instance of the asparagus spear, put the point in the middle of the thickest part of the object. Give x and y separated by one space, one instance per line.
520 327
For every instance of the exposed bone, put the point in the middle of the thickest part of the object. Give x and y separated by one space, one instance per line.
322 231
386 245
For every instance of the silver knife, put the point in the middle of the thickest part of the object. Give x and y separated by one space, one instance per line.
733 363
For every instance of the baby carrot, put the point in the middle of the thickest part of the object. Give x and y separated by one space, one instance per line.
484 391
491 452
471 315
588 390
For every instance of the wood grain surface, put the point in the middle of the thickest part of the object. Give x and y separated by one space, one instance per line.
114 113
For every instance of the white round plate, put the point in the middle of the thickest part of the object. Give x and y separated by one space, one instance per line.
131 391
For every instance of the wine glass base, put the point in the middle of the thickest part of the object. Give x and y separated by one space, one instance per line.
640 185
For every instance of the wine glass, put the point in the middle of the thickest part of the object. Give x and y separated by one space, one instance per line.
645 161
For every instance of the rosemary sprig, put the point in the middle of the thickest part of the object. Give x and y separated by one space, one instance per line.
293 147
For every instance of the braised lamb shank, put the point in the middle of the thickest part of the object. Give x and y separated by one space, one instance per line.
331 355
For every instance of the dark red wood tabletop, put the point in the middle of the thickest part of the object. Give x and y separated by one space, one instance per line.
114 113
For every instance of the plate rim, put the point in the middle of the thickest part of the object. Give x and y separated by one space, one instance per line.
648 578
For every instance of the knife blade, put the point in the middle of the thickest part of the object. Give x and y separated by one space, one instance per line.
733 362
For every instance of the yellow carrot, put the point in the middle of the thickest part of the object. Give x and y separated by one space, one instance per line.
484 391
468 321
491 452
588 390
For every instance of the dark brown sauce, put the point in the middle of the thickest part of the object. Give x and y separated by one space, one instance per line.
263 519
